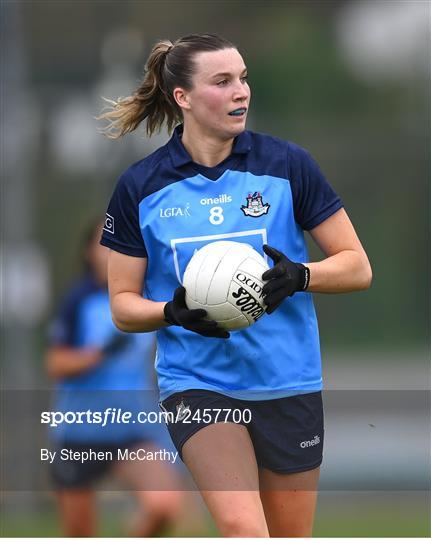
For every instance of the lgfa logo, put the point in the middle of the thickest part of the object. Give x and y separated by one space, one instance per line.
175 211
313 442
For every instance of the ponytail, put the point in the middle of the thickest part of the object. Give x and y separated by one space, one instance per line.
168 66
149 101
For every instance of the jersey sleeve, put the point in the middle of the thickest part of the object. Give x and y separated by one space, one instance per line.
314 199
121 231
62 329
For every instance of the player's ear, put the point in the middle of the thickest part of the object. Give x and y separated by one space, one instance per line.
182 98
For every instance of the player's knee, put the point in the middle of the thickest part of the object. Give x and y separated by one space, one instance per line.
172 505
164 505
245 526
79 530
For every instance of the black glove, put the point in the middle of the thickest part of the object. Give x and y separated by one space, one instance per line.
285 278
178 314
117 342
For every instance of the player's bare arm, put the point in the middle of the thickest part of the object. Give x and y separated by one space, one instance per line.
131 312
61 362
346 267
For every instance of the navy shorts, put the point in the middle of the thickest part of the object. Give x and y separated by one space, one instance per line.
287 433
71 474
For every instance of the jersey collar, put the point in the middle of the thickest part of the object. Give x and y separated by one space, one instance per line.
180 156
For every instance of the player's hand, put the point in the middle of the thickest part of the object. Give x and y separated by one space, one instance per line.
285 278
178 314
117 342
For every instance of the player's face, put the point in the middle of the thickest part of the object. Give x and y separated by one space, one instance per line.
220 97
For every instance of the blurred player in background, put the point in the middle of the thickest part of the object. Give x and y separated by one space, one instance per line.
259 477
95 367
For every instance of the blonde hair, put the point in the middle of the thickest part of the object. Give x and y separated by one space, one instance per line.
169 65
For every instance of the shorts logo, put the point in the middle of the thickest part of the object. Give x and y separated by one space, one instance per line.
255 206
175 211
182 411
313 442
109 224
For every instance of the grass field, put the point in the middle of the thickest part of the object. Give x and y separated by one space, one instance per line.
377 515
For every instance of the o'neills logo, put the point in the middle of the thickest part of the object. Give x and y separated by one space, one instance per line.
250 282
313 442
221 199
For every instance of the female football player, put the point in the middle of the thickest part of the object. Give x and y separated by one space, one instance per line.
96 368
259 474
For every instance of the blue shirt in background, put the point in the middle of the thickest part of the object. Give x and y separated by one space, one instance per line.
122 380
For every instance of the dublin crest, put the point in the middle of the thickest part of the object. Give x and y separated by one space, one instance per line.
255 206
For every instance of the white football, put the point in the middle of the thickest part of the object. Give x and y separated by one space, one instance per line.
225 279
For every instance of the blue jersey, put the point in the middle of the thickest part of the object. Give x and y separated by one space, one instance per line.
267 191
123 379
84 321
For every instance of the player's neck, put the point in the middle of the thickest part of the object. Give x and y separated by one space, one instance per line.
205 149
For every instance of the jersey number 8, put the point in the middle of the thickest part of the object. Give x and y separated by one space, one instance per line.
216 215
